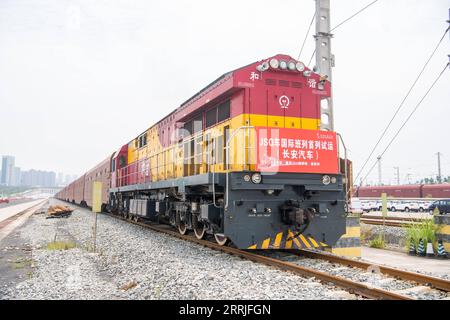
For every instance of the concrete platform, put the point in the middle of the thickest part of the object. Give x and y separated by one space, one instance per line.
403 261
8 212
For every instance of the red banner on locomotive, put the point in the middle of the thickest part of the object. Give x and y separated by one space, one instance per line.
295 150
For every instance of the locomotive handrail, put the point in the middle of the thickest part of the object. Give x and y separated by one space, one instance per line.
347 188
227 157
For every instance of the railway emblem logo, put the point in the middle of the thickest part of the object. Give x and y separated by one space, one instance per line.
284 102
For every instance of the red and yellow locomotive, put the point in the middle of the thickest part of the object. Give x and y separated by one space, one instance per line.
244 160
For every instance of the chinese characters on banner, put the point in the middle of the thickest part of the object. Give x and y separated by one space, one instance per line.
296 150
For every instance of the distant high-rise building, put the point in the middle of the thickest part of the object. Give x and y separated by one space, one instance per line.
16 177
39 178
7 170
60 179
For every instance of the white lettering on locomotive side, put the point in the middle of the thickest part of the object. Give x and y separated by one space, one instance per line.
312 83
254 76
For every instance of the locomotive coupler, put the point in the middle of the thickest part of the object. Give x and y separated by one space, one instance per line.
294 215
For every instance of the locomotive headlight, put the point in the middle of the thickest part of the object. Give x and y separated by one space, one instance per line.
291 65
256 178
300 66
274 63
333 179
247 178
326 180
307 73
283 65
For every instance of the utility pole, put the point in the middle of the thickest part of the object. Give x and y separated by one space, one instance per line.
380 178
324 58
398 174
439 177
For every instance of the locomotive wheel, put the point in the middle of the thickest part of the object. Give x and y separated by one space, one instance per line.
199 227
200 231
181 225
220 239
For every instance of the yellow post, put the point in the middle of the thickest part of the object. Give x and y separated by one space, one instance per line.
96 207
96 196
384 205
384 209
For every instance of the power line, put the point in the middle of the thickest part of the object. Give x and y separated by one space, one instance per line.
306 36
353 15
401 104
341 23
409 117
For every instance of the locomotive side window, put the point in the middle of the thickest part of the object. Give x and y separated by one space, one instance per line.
211 117
224 111
122 161
142 140
198 124
188 127
195 125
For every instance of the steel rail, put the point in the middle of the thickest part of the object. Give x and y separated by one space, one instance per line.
387 223
411 219
435 282
346 284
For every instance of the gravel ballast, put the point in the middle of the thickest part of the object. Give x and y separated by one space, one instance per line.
136 263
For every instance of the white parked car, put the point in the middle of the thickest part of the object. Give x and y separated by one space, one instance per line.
355 206
366 206
420 206
399 206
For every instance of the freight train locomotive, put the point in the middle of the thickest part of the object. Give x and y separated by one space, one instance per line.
243 160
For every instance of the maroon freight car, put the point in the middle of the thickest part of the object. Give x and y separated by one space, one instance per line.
436 191
101 173
405 191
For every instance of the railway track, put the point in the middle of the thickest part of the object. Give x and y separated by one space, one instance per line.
353 287
407 219
434 282
390 221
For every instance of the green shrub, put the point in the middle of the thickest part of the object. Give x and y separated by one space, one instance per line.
61 245
425 230
378 242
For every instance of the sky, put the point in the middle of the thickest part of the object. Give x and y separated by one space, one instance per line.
78 79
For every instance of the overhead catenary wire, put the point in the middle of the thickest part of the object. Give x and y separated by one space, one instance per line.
408 118
341 23
401 105
353 15
306 35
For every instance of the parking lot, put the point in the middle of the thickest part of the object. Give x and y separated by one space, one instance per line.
400 205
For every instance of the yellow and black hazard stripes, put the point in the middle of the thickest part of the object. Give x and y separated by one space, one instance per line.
349 245
288 240
443 231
